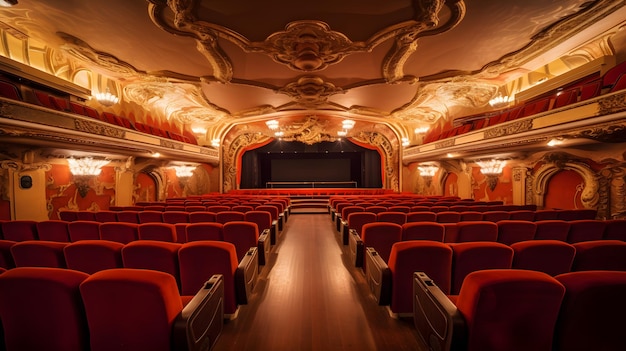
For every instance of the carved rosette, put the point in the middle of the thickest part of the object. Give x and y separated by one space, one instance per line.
310 91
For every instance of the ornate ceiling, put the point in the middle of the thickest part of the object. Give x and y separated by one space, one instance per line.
227 66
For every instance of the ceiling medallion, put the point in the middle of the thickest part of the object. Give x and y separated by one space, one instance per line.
310 91
309 46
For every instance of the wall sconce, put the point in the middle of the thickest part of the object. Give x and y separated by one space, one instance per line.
421 130
106 98
184 171
272 124
427 172
83 171
492 169
215 142
405 142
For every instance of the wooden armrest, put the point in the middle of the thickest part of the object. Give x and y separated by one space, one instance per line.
378 276
246 275
200 323
437 320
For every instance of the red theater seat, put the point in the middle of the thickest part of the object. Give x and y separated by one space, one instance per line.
148 216
591 312
6 258
585 230
153 315
105 216
91 256
201 216
157 231
573 215
513 231
202 259
552 257
379 235
154 255
355 222
205 231
128 216
552 230
19 230
53 230
496 216
229 216
68 216
448 217
245 235
42 309
522 215
476 256
37 253
423 231
497 310
609 255
475 231
119 231
471 216
85 216
615 229
389 216
174 217
83 230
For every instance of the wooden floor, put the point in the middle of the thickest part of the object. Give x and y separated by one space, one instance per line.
313 299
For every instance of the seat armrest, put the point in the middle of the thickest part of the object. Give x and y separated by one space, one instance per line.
246 275
355 249
378 276
274 232
437 320
264 247
198 326
338 221
344 231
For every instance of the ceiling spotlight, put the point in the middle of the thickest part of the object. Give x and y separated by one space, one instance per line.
342 133
272 124
500 101
348 124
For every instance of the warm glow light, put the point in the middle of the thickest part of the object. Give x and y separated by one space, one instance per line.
342 133
156 155
348 124
500 100
421 130
405 142
279 134
86 166
427 170
8 3
272 124
491 167
184 171
198 130
215 142
106 98
555 142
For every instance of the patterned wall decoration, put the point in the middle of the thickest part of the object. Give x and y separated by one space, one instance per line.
62 193
502 192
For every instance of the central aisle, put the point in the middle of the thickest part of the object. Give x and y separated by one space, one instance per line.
312 299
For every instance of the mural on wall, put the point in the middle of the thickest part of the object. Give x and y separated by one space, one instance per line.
450 186
62 192
145 188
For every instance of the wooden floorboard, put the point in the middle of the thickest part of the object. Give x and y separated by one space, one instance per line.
313 299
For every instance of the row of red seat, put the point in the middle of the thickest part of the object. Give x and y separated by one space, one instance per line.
243 234
191 264
62 104
133 309
613 80
389 268
518 310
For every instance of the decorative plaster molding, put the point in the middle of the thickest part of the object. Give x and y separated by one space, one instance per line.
391 155
310 91
612 104
509 129
98 128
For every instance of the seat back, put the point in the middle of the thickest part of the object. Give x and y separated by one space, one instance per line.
512 231
53 230
406 257
522 215
375 209
148 216
83 230
615 229
243 235
6 258
92 256
157 231
68 216
86 216
513 310
42 309
423 231
356 220
448 217
105 216
38 253
128 216
19 230
471 216
263 219
201 216
421 216
577 214
205 231
120 232
552 257
495 216
388 216
217 208
229 216
381 236
148 301
476 231
552 230
609 255
546 215
585 230
154 255
200 260
475 256
174 217
587 319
